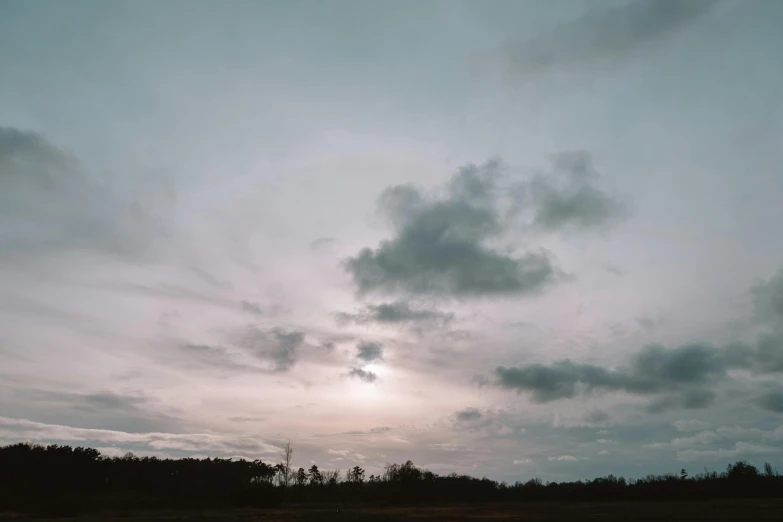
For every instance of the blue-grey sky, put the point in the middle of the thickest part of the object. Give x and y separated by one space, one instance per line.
501 238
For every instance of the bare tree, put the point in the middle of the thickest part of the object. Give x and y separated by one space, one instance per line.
286 473
332 477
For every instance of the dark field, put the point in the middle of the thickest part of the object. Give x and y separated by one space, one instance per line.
745 510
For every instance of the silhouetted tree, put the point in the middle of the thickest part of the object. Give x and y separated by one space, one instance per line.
301 477
355 475
315 476
61 479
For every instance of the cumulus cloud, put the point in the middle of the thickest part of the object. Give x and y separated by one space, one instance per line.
446 243
441 244
683 377
568 197
678 374
396 312
362 374
276 345
604 35
369 352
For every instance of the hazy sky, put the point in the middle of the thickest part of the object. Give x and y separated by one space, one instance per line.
507 238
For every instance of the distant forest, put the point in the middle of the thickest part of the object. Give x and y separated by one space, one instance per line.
65 480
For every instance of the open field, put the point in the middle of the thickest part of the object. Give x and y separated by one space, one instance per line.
744 510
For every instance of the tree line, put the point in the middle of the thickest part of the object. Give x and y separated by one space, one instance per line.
67 480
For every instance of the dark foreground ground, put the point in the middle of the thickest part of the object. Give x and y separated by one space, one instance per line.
745 510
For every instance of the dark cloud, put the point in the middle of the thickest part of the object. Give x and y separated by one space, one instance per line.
369 352
468 414
364 375
772 401
450 243
597 417
276 345
441 246
688 400
680 377
605 35
567 198
395 312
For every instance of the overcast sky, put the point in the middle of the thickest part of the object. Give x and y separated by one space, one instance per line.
507 238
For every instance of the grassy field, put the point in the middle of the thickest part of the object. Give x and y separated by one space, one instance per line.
744 510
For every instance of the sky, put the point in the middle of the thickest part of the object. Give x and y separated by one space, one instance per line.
507 239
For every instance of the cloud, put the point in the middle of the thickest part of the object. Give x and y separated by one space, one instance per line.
217 357
47 201
768 300
690 425
363 375
441 244
705 437
680 377
12 429
125 412
772 401
372 431
568 199
341 453
276 345
395 312
107 400
252 308
468 414
562 458
369 352
654 370
453 242
604 35
522 461
740 449
689 400
597 418
649 323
